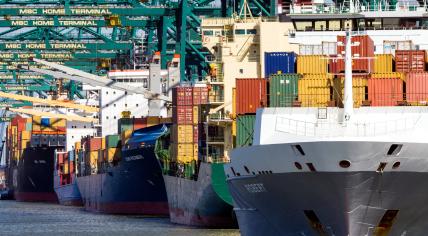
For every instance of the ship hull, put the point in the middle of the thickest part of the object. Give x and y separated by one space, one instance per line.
360 199
195 203
33 177
69 194
134 186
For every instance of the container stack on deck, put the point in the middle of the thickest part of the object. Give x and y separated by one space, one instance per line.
187 129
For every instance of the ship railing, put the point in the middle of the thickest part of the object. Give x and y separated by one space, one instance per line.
358 8
337 129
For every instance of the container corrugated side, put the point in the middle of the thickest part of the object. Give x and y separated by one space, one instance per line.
250 95
359 86
182 133
279 62
245 130
314 90
410 60
312 64
365 49
283 90
417 88
385 91
383 63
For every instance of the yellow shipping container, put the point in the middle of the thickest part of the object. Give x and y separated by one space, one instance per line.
26 135
383 63
93 158
195 151
182 152
125 136
24 143
113 154
314 90
359 85
77 146
66 168
312 64
392 75
195 115
182 133
103 143
165 120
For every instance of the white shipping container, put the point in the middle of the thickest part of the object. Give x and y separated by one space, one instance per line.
315 49
389 47
329 48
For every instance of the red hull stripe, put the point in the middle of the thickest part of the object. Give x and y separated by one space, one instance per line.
136 208
36 197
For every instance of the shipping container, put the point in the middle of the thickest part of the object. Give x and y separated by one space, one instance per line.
383 63
182 115
312 64
112 141
310 49
315 90
183 153
250 95
153 120
365 50
279 62
113 154
329 48
417 88
200 95
182 133
124 124
139 123
389 47
245 130
182 96
283 90
409 60
125 136
93 144
385 91
359 87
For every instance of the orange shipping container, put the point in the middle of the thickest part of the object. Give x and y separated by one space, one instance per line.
250 95
417 87
385 91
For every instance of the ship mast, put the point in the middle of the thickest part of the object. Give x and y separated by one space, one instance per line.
348 104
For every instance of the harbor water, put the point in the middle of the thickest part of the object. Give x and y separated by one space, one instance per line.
18 218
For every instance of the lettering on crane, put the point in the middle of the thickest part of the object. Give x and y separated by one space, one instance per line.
52 23
62 11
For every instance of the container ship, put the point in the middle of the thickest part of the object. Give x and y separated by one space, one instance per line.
122 174
343 130
31 145
197 193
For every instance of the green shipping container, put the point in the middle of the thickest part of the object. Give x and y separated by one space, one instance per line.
125 124
29 126
245 130
112 141
283 90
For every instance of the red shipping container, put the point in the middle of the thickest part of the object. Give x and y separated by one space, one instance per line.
250 95
409 60
182 96
182 115
139 123
385 91
196 133
93 144
364 49
417 87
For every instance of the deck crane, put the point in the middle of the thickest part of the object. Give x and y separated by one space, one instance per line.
95 80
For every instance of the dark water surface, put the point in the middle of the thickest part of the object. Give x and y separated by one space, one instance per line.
18 218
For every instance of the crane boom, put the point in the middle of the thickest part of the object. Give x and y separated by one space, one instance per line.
81 76
49 102
70 117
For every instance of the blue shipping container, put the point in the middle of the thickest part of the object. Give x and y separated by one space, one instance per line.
283 62
45 122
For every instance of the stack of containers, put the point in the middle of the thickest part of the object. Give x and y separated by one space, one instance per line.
187 125
48 131
112 148
18 136
92 147
251 94
359 86
410 60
